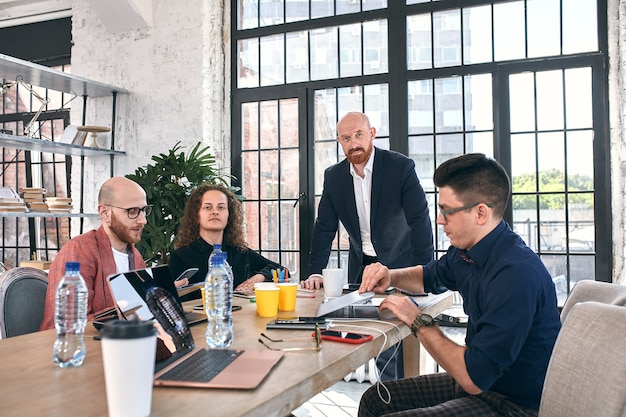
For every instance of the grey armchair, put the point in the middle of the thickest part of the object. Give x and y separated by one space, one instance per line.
22 298
587 371
602 292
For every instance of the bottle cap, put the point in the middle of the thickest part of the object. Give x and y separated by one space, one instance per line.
72 266
218 258
127 329
217 246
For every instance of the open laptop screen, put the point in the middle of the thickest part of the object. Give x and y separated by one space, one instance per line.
129 290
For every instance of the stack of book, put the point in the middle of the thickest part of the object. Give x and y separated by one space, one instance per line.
34 199
59 204
10 201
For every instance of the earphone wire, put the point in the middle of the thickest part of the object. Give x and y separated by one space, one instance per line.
341 323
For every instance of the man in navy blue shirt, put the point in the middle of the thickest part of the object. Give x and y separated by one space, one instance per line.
508 296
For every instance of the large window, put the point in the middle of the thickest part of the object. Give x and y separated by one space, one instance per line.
522 81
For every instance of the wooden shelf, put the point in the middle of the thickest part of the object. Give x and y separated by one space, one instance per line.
38 75
39 145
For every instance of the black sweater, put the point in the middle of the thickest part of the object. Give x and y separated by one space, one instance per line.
244 264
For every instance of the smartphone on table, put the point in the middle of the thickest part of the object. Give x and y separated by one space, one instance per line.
187 273
345 337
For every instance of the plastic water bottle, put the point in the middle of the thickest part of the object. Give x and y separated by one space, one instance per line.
170 316
218 290
70 318
217 248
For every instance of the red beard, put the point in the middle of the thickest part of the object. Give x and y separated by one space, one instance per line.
358 156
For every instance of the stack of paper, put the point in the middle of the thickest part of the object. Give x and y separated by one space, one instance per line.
10 201
34 199
59 204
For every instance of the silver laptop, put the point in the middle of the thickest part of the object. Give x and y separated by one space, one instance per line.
193 367
349 306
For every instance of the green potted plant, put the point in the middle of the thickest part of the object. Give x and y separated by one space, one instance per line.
168 183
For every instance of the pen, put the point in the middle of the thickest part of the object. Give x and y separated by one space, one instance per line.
305 295
415 302
275 275
282 276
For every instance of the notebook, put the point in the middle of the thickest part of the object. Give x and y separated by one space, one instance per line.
193 367
129 293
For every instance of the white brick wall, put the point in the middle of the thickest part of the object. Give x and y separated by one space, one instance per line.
175 73
617 112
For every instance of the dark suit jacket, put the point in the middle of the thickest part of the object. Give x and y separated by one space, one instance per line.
401 230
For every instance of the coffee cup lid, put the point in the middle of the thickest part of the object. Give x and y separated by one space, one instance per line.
127 329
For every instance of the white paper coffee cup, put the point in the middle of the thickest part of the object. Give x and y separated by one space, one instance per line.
128 354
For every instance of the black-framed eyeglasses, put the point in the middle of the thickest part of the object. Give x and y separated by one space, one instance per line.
317 335
133 212
447 212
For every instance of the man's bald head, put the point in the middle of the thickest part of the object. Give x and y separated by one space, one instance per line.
353 117
116 190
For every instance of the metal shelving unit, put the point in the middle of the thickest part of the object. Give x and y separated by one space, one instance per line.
40 145
37 75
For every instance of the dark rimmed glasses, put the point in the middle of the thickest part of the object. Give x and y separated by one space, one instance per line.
318 341
447 212
133 212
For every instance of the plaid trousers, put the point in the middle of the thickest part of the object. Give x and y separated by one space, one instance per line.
435 395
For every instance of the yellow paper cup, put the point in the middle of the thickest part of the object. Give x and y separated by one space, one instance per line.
287 296
266 300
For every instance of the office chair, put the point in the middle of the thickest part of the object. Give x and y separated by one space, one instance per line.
602 292
587 371
22 298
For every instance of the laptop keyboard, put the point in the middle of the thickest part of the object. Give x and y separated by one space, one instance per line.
201 366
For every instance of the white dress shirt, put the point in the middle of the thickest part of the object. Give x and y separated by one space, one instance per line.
363 197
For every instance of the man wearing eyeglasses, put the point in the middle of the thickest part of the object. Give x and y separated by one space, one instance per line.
508 296
109 249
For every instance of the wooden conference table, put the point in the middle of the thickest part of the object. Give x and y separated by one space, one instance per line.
31 384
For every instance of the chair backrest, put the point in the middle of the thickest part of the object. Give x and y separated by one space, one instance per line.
587 371
22 299
602 292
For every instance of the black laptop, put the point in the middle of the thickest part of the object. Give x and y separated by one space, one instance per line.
129 291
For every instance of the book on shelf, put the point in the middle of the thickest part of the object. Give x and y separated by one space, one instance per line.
10 201
32 190
58 199
59 210
79 138
59 204
8 192
38 207
73 136
5 209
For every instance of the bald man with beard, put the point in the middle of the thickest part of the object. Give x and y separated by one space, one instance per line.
376 195
108 250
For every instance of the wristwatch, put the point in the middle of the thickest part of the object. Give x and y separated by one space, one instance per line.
421 320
